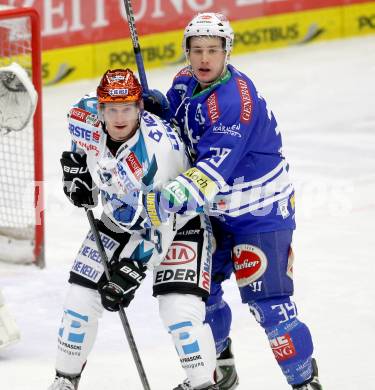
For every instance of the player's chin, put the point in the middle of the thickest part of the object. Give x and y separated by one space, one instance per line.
205 77
204 74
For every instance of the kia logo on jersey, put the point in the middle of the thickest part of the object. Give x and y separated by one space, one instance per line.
180 252
250 263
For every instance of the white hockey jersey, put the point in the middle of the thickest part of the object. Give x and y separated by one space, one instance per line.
150 159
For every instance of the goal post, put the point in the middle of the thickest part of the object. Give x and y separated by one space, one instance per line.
21 152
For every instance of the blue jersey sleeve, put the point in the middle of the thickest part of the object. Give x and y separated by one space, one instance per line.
231 130
177 92
230 116
230 119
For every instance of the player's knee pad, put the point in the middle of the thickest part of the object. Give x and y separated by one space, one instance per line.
219 317
78 328
183 316
289 338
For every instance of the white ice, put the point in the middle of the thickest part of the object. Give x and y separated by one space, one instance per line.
324 98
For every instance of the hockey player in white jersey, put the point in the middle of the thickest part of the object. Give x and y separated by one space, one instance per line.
118 147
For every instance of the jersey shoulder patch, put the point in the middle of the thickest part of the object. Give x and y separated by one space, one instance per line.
85 129
84 117
185 72
88 103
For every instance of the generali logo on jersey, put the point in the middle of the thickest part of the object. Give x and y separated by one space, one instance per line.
250 263
181 252
246 101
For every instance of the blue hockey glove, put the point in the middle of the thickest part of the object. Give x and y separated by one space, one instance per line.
134 205
78 184
128 211
156 103
126 277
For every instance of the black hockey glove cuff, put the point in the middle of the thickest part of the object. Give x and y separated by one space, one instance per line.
126 277
78 184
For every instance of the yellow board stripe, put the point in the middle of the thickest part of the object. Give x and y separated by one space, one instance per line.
275 31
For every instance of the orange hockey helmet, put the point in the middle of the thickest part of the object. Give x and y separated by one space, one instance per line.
119 86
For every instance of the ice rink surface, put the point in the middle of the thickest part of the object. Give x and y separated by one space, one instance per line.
323 96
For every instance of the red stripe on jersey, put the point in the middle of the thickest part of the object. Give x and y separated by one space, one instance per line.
79 114
184 72
84 116
246 101
213 108
135 166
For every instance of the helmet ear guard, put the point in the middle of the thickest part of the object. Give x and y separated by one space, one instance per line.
119 86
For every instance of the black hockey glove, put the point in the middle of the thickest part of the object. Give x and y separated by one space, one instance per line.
78 184
126 277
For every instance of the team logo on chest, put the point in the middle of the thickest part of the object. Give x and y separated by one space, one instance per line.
250 263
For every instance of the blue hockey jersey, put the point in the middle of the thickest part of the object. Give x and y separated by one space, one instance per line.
239 169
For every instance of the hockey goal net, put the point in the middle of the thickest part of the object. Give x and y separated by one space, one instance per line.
21 169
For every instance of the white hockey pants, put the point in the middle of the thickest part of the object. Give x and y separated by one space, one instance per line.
183 316
78 329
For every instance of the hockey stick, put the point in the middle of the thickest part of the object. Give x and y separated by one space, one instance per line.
136 47
124 320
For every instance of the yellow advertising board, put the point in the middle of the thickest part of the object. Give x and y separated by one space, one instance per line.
286 29
160 49
67 64
157 50
359 19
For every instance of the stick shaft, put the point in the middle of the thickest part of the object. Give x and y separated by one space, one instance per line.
122 315
136 46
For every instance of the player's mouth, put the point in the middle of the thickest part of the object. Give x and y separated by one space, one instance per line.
120 127
204 71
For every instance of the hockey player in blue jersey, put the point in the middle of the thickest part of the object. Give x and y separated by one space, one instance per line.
241 177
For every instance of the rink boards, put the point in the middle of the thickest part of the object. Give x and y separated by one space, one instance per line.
164 48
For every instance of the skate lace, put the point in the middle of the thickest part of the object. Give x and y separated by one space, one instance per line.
62 384
185 385
313 385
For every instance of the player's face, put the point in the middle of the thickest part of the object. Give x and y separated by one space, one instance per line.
207 58
121 120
